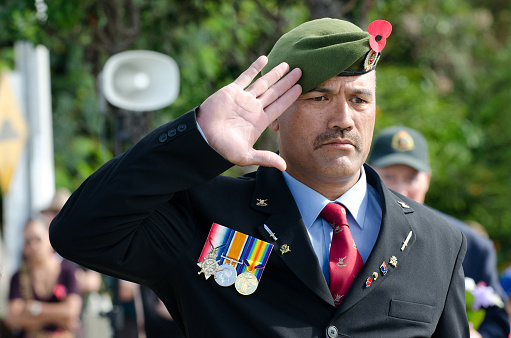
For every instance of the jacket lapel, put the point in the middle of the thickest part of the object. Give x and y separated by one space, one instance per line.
394 230
273 197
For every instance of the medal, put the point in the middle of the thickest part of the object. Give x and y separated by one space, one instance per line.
227 276
210 266
234 258
246 283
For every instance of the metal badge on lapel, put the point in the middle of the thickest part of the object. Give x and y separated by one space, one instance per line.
405 242
403 205
383 268
271 233
236 256
261 202
285 248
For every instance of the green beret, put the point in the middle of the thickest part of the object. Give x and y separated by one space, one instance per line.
322 49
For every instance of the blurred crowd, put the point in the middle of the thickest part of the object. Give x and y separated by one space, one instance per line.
50 297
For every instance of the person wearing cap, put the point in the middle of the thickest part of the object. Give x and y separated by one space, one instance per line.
400 156
162 214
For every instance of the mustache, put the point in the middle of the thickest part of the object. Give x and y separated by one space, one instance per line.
344 134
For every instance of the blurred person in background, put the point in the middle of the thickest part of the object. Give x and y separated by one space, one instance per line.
400 155
158 323
87 280
123 317
44 299
505 281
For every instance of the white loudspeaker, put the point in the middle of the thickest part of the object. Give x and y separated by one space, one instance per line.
140 80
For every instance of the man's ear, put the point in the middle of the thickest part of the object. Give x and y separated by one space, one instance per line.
429 179
274 125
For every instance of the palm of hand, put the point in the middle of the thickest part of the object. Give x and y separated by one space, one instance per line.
233 118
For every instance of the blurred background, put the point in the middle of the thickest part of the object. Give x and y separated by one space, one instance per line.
445 71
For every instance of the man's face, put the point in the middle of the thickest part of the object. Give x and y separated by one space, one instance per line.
406 181
325 136
37 242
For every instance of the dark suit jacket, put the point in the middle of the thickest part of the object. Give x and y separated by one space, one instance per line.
145 215
480 264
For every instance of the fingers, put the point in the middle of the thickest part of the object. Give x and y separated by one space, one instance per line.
249 75
282 86
277 107
268 159
268 80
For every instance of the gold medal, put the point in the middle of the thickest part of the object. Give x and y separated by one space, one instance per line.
246 283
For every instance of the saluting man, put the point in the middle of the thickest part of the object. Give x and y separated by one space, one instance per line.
318 244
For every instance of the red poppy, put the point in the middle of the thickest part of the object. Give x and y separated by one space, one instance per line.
60 291
380 30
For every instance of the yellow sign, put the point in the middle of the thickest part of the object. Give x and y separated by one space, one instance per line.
13 133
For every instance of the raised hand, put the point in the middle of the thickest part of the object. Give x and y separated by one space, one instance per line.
233 118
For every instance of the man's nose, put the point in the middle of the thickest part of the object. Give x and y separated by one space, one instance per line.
401 188
341 116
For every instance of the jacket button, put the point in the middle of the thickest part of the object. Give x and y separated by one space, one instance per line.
162 138
172 132
181 127
332 331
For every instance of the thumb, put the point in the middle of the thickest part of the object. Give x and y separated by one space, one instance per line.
268 159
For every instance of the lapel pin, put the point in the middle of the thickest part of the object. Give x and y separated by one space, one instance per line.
368 282
271 233
393 261
405 243
403 205
285 249
375 275
261 202
383 268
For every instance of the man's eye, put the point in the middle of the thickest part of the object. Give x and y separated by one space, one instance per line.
411 178
358 100
318 98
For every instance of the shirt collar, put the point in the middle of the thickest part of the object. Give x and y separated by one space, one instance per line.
310 202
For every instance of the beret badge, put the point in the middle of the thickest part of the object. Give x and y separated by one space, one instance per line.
380 30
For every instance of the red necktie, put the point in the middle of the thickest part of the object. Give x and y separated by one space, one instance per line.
344 261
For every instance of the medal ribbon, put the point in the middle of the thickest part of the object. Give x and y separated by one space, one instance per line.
218 235
236 246
255 256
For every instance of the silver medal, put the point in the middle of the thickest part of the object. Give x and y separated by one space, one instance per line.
227 276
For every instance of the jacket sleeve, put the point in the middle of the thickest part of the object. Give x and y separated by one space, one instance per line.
126 219
453 322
